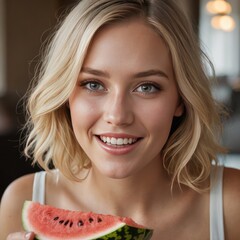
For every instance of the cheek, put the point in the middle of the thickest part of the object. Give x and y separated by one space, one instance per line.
83 112
160 122
159 118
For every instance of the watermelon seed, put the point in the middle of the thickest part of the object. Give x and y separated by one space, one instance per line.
90 220
61 221
66 223
80 223
71 224
99 219
56 218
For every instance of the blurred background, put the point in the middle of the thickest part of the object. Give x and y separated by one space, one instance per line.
26 24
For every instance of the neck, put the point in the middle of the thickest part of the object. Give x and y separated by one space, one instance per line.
136 194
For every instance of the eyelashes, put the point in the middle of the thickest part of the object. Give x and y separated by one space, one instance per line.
147 88
92 85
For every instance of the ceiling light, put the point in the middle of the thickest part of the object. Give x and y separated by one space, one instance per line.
218 7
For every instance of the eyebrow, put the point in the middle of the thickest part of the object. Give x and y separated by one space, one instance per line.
151 72
95 72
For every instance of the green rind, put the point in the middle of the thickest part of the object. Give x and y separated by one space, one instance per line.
126 232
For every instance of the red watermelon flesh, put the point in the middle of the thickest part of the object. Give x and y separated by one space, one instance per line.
50 223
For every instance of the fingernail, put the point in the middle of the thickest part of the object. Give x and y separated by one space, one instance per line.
28 235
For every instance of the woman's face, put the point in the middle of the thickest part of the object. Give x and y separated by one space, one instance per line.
125 99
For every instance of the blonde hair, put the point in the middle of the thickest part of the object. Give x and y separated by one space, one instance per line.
192 144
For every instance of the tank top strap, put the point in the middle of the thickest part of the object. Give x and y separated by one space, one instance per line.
216 205
38 194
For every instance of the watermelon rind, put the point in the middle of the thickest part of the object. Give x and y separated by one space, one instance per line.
128 233
118 231
115 235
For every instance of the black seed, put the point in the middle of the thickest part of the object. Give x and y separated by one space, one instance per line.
90 220
71 224
61 221
56 218
80 223
66 223
99 219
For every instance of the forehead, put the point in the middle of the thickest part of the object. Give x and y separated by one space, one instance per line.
129 44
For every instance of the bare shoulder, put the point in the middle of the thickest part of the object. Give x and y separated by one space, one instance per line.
12 203
232 203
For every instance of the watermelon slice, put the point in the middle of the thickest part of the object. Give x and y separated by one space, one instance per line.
50 223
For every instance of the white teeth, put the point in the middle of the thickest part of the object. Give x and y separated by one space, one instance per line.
113 141
118 141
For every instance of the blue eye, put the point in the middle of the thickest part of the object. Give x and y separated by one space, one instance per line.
147 88
92 85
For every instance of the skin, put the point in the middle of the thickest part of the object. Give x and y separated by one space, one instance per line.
117 101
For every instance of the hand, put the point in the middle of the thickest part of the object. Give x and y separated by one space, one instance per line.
21 236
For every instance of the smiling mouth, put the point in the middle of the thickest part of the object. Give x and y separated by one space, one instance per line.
112 141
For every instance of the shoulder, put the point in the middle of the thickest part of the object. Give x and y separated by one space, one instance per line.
231 199
20 188
12 202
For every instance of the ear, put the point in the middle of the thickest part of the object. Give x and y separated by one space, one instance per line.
179 109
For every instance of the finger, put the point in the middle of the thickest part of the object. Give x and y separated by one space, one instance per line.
29 236
21 236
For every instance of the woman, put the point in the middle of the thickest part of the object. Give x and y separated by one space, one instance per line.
123 110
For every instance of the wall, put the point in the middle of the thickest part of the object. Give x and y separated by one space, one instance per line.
2 48
27 24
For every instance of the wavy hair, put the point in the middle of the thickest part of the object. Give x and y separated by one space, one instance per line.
192 144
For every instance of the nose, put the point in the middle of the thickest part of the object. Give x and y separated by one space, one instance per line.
118 110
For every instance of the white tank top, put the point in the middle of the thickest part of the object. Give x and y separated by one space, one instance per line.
216 201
